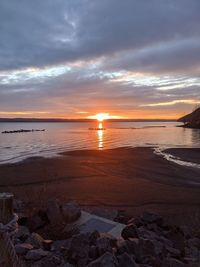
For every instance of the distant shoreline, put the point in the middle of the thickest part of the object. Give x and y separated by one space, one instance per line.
79 120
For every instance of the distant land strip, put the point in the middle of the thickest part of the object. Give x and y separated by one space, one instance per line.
79 120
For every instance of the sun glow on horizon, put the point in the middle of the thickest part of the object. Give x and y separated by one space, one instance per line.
103 116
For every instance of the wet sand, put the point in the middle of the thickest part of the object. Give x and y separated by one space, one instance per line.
134 179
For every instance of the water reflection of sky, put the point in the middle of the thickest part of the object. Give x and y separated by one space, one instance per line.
60 137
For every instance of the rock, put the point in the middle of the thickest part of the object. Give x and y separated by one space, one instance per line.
93 252
46 244
130 231
22 233
78 253
71 212
22 249
54 212
171 262
173 252
106 260
147 247
36 254
93 237
35 222
194 242
125 260
70 230
148 217
103 245
35 240
60 245
51 260
176 235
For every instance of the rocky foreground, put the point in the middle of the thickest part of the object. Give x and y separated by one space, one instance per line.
51 238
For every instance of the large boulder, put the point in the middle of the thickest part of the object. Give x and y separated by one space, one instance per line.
54 213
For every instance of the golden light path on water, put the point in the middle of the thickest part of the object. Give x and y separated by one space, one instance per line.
100 133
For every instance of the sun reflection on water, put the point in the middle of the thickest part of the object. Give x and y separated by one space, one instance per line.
100 134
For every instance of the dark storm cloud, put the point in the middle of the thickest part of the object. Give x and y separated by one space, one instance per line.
40 33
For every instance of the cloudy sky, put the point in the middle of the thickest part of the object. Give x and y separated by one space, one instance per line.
75 58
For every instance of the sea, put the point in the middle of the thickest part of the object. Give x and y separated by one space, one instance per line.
67 136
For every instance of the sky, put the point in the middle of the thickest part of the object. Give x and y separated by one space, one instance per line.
75 58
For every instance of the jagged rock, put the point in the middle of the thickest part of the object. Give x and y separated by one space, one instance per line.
54 212
78 253
130 231
106 260
103 245
22 249
171 262
71 212
36 254
35 240
125 260
22 233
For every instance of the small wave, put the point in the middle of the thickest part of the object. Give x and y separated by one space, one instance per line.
177 160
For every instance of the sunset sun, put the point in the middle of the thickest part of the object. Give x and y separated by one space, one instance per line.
103 116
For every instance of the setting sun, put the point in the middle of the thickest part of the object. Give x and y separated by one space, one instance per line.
103 116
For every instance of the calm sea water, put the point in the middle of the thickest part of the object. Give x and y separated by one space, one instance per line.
60 137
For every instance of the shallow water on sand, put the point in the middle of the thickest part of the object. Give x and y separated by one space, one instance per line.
59 137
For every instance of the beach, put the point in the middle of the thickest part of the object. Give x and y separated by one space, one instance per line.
131 179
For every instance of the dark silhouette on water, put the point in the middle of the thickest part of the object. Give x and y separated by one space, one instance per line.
22 131
191 120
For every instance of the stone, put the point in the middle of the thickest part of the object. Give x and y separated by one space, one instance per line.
35 240
46 244
103 245
148 217
70 230
125 260
78 253
35 222
36 254
60 245
171 262
22 249
71 212
93 237
194 242
22 233
51 260
54 212
130 231
106 260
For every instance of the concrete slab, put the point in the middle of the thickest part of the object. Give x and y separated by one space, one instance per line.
90 222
